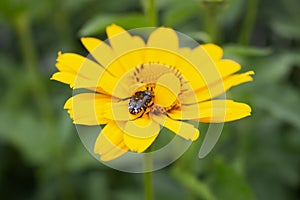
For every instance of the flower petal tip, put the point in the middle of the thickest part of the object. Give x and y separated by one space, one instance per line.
87 39
113 30
196 136
214 50
58 55
250 74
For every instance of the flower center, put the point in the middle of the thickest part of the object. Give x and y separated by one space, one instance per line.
147 77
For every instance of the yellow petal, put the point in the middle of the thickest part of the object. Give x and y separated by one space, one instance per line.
223 111
143 127
205 66
122 64
164 38
220 87
78 71
183 129
84 67
117 87
214 51
90 43
92 85
181 62
237 79
138 144
114 30
215 89
212 111
185 112
121 41
208 66
227 67
101 51
122 87
64 77
87 108
201 69
167 89
150 55
64 66
118 111
110 142
115 58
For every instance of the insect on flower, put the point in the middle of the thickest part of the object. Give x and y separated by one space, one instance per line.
137 85
140 101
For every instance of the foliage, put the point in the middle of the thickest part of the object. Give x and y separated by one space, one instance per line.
256 158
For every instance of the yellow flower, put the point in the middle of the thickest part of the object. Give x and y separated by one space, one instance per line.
135 86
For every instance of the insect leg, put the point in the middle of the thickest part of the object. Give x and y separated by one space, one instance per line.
124 99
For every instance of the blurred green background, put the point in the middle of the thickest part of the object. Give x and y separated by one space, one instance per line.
41 156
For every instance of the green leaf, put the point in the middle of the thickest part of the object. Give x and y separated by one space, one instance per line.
97 24
228 183
200 36
179 14
272 69
190 181
25 132
11 9
282 102
284 19
165 187
234 49
232 12
287 28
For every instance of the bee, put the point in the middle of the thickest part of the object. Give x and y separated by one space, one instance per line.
140 101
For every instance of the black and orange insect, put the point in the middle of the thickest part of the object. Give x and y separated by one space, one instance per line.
140 101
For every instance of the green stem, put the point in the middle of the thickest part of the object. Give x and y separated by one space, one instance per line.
148 186
200 190
248 22
22 25
152 13
185 171
212 18
62 24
